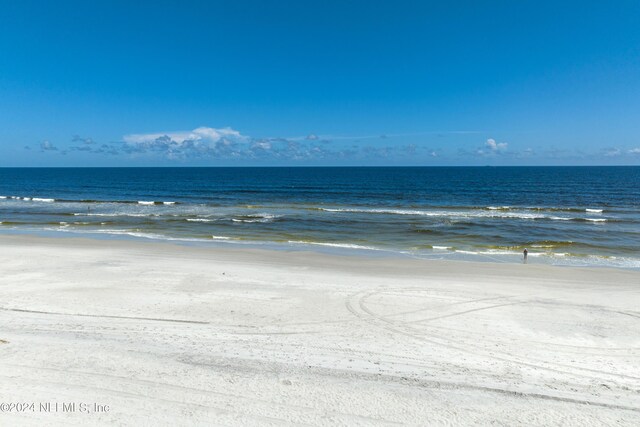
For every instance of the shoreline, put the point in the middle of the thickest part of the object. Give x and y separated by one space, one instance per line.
286 253
337 249
167 334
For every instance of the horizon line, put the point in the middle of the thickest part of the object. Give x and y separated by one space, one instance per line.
318 166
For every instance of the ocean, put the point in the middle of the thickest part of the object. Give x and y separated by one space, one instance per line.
587 216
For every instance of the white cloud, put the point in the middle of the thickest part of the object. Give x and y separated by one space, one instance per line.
612 152
634 151
261 145
87 141
47 146
200 142
492 145
201 134
228 144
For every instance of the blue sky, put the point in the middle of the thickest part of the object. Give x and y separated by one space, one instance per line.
237 83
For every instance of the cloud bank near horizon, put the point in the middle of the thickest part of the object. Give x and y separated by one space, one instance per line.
227 144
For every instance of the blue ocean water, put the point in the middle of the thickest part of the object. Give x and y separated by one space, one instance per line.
563 215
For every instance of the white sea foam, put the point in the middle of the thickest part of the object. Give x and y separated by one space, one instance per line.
470 214
263 217
513 253
441 248
138 235
146 235
335 245
28 199
116 214
560 218
199 220
121 232
548 245
220 238
491 212
168 203
143 202
594 210
383 211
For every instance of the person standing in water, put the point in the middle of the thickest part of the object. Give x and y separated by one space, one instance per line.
525 253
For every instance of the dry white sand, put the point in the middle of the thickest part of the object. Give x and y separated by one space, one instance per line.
171 335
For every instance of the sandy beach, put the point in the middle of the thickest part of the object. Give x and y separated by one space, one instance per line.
144 333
